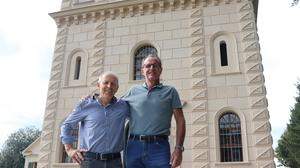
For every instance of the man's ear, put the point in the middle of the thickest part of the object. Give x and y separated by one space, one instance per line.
142 71
161 69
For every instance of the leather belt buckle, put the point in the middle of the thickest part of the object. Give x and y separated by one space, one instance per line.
142 137
103 157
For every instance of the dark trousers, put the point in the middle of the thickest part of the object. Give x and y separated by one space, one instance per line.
93 163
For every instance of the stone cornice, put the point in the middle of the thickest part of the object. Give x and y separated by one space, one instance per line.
131 8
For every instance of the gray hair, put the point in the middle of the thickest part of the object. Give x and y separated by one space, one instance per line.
152 56
106 74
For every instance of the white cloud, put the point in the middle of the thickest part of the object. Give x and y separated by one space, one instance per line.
27 34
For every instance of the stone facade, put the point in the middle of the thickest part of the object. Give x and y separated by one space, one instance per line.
105 34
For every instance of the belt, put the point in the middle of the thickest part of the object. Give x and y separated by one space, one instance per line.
148 138
100 156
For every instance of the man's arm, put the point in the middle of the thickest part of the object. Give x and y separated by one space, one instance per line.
180 135
66 135
75 154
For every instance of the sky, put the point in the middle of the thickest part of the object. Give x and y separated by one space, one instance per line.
27 38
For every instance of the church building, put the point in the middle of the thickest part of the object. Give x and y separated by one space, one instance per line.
210 53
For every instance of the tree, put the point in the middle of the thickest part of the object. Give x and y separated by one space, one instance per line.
11 153
288 150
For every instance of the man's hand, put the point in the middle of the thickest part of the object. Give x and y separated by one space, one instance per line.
176 158
75 154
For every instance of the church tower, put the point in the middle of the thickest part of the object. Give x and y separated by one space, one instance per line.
210 54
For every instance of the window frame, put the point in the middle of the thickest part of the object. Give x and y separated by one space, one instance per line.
230 139
69 68
244 132
233 63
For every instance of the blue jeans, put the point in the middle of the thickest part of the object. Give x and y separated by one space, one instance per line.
93 163
141 154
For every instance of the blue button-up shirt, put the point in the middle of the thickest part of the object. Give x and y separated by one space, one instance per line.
101 129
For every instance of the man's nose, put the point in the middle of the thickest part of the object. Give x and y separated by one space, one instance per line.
151 67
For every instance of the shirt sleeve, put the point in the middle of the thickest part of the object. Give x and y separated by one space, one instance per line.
71 123
176 103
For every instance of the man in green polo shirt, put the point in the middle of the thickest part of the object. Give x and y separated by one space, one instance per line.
151 108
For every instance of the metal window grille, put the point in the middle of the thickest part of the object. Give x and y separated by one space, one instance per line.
231 149
139 55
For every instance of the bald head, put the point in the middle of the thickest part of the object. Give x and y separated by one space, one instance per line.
108 73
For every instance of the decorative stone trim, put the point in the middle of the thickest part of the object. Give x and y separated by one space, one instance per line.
200 144
266 155
262 128
266 140
122 9
202 157
200 118
200 165
199 87
257 91
269 165
261 115
97 64
201 107
52 99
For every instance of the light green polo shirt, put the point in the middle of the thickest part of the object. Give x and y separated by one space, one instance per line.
151 111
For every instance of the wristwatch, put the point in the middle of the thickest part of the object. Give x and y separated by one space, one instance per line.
180 147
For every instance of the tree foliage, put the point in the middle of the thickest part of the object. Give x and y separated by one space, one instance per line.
11 153
288 150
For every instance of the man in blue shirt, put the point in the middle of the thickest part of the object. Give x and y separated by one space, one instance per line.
102 120
151 108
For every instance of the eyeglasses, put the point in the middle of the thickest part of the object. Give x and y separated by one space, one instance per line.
154 66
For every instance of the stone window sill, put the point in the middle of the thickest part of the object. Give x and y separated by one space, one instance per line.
232 163
67 165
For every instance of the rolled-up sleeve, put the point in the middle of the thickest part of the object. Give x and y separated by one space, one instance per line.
71 123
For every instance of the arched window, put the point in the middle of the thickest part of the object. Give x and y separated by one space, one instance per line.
139 55
231 149
223 53
65 158
77 68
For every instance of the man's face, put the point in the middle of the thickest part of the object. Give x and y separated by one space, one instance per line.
108 85
151 69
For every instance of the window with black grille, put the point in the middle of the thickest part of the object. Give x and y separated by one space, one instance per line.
231 149
223 53
139 55
77 68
